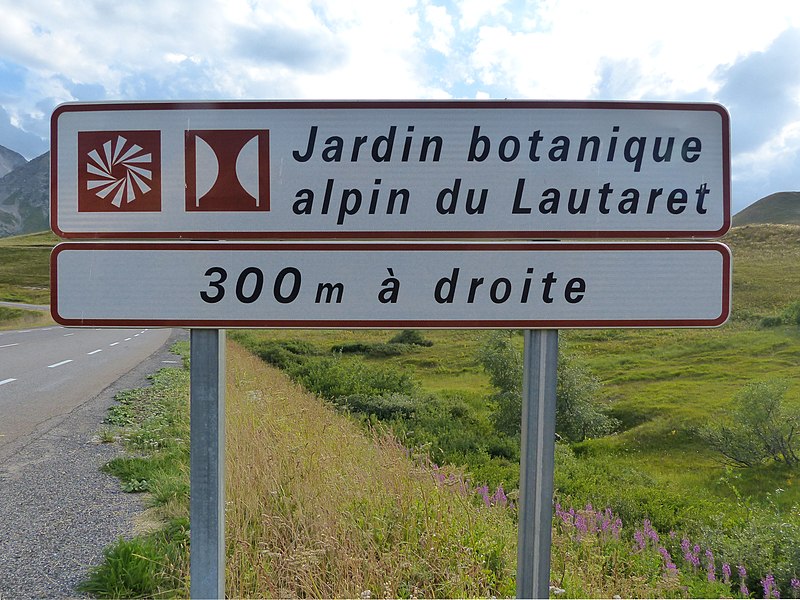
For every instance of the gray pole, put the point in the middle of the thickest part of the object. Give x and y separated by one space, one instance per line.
537 462
207 503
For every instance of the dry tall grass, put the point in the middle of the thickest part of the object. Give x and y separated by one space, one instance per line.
318 508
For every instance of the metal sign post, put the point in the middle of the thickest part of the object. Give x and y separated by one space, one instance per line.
537 459
207 448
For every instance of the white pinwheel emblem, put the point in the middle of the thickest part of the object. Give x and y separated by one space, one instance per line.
119 170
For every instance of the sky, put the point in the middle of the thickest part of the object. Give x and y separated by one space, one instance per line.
744 55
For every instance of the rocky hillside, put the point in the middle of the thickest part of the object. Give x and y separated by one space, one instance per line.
9 160
25 196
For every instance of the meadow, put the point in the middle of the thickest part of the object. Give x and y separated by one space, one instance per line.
416 478
662 385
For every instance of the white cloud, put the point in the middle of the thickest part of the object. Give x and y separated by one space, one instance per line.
52 51
443 29
779 152
475 11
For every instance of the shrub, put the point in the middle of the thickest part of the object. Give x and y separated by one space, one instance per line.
577 414
385 407
773 321
412 337
757 428
373 350
791 314
284 354
336 377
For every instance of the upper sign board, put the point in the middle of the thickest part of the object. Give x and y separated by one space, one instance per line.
390 170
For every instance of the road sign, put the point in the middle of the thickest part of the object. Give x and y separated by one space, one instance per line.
390 170
373 285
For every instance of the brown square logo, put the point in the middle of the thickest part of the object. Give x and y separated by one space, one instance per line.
227 170
119 171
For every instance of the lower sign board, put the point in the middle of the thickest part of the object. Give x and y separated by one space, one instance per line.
391 285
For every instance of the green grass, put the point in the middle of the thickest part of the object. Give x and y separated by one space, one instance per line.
319 507
153 424
25 268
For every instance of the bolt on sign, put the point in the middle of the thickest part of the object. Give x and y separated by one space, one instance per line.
390 170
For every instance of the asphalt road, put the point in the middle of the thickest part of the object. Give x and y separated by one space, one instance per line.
58 510
45 373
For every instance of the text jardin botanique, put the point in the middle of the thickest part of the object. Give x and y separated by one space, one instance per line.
635 150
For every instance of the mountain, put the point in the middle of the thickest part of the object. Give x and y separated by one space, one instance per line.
25 197
782 208
9 160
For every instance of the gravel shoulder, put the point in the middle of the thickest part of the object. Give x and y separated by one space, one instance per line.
57 510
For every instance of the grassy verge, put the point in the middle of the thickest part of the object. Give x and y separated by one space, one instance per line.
317 507
153 425
15 318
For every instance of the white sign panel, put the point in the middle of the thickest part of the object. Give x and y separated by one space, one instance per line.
390 170
372 285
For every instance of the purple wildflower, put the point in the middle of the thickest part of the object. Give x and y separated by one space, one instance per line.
668 564
690 554
770 589
712 575
580 525
563 515
795 583
726 573
742 575
607 519
649 531
500 497
616 528
695 556
605 524
641 540
484 493
687 553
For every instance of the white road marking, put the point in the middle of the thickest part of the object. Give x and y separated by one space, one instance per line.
127 339
5 381
94 352
114 344
8 345
58 364
68 334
